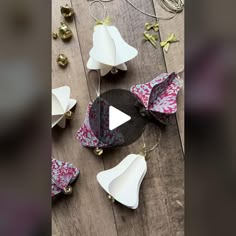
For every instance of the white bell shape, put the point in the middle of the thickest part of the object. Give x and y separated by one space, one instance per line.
61 104
123 181
109 49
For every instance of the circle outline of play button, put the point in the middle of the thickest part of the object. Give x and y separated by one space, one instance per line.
126 133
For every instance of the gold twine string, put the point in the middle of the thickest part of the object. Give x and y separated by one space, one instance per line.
106 20
144 148
98 89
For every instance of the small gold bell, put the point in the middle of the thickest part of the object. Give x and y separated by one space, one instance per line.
54 35
67 190
65 32
114 70
98 151
111 198
68 115
62 60
67 11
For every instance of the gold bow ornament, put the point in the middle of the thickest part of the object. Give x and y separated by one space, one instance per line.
152 38
154 26
105 21
165 44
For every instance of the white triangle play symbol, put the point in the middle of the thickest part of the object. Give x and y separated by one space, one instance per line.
117 118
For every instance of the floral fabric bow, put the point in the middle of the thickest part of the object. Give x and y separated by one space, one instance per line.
158 97
63 174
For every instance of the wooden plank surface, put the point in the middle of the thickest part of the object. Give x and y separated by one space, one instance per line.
175 57
88 211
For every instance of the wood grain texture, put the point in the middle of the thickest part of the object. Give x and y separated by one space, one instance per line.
76 215
175 57
88 211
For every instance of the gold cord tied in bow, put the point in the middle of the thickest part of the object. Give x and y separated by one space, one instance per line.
105 21
151 38
154 26
165 44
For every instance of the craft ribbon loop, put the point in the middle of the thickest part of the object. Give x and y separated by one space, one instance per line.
165 44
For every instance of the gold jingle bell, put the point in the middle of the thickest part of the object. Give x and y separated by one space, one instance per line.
62 60
65 32
114 70
67 190
98 151
111 198
54 35
67 11
68 115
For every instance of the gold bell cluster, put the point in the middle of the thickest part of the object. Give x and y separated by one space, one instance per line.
65 33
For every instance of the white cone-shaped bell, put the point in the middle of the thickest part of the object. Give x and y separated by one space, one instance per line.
123 181
109 50
61 104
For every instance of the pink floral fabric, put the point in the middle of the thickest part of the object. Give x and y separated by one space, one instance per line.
63 174
87 137
159 95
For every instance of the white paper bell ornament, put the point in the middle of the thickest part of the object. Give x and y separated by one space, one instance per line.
110 51
122 182
61 106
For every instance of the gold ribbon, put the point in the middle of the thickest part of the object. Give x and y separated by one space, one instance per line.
165 44
151 38
105 21
154 26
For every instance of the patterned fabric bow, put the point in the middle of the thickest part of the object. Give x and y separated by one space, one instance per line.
158 97
105 21
154 26
165 44
63 174
151 38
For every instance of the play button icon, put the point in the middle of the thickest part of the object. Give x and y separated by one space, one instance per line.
117 118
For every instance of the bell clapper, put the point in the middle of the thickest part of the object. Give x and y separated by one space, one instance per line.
111 198
68 115
67 190
98 151
114 70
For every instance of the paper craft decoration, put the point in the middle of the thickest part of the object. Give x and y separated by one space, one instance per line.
122 182
61 106
63 174
110 51
88 139
158 97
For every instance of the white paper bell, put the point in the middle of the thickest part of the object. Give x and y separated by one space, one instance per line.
123 181
110 51
61 105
